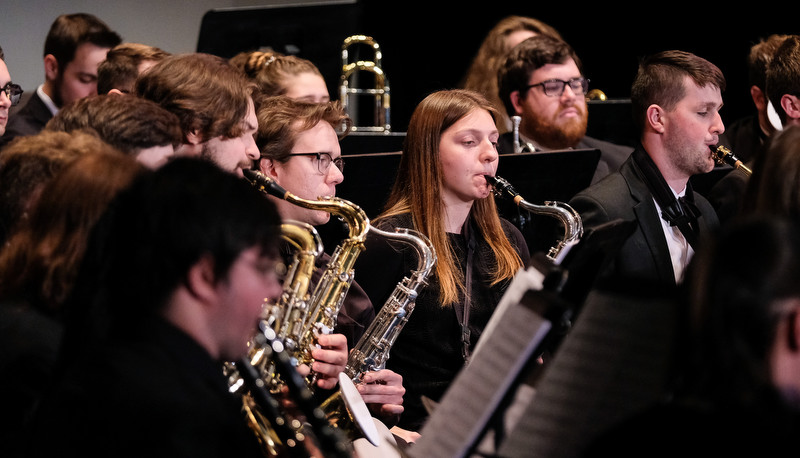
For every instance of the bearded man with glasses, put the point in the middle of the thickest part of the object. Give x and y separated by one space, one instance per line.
541 81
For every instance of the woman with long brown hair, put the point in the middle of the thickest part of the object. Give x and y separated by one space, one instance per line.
441 192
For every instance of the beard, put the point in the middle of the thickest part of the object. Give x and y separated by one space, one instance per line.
688 157
552 134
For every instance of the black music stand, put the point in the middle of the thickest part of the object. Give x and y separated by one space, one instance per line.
615 361
541 177
368 179
372 142
529 320
314 31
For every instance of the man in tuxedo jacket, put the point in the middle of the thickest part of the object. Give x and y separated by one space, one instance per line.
676 98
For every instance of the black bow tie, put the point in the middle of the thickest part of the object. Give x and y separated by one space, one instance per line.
683 211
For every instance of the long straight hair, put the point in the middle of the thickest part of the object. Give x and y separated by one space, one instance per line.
417 190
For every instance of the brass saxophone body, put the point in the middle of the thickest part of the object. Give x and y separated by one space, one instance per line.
288 314
330 291
722 155
569 218
372 350
304 324
256 378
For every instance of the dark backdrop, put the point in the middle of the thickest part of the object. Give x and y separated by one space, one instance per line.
427 45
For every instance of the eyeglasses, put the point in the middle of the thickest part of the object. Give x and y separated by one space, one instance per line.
324 161
13 92
555 87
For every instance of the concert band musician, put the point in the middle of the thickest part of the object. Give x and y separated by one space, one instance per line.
442 193
299 147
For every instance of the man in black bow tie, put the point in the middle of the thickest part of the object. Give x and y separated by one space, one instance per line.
676 98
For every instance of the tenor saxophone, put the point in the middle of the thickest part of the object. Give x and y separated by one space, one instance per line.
569 218
329 293
372 350
287 315
324 303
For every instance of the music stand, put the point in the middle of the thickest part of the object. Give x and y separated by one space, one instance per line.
527 320
309 30
368 179
372 142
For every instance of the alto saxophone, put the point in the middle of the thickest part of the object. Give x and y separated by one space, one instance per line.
372 350
569 218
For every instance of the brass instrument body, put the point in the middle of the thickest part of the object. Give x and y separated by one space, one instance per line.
569 218
372 350
329 293
722 155
515 132
349 91
288 314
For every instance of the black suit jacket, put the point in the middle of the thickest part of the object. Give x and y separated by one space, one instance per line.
624 195
30 119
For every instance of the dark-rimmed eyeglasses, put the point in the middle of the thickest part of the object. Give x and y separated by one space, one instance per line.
13 92
555 87
324 161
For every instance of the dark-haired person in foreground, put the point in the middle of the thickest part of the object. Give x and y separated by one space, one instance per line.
171 286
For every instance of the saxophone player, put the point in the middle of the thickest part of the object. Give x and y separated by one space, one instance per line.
441 192
299 147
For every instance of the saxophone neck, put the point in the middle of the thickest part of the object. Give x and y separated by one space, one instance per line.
426 255
569 218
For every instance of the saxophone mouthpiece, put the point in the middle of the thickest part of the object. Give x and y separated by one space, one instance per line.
266 183
502 186
722 155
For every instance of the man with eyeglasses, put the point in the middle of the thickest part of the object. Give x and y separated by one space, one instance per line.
299 145
73 49
11 91
541 82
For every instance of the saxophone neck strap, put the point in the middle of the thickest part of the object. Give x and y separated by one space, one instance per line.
462 310
681 212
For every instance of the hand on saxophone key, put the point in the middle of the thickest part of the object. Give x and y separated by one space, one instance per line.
330 359
383 393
